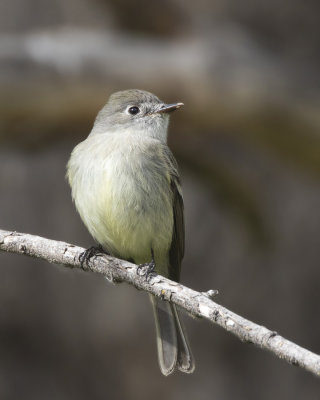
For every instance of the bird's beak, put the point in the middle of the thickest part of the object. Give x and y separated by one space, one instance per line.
166 108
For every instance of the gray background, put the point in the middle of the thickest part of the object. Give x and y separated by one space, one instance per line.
248 146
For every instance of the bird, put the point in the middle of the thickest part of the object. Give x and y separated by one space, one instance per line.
126 187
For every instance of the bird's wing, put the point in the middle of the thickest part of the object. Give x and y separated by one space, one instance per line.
176 251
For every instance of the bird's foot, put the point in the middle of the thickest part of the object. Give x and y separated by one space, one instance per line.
147 269
93 251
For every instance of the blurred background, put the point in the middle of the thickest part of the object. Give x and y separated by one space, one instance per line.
248 145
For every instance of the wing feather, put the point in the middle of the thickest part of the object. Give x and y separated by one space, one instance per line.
176 251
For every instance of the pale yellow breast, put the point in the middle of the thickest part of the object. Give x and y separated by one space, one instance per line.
124 199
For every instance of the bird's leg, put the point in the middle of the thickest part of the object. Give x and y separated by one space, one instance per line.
92 251
147 268
151 266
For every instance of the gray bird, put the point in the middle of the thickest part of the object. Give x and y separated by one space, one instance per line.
126 188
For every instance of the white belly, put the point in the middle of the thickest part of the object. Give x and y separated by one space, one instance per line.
125 201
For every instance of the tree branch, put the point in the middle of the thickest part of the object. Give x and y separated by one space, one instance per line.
195 303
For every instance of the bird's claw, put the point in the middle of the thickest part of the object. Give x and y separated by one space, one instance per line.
92 251
147 269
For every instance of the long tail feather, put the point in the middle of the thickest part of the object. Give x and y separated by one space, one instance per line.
173 348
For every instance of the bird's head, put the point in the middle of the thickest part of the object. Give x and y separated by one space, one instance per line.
135 111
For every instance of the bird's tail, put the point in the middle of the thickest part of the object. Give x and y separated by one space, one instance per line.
173 348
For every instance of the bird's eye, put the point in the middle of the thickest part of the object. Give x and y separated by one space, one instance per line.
133 110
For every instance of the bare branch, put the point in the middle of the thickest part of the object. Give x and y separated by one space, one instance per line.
195 303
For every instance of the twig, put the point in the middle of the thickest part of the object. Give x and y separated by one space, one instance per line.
196 303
